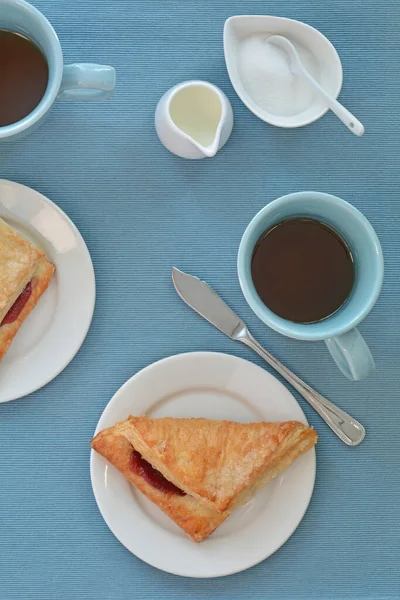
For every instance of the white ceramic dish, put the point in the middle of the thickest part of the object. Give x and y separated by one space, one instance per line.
238 28
215 386
54 331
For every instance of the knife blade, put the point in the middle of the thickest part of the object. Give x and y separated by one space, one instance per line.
201 297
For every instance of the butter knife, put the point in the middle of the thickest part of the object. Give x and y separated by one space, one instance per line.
201 297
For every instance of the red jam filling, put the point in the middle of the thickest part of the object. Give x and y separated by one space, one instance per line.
151 475
18 305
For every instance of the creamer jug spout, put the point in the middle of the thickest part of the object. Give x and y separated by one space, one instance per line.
212 149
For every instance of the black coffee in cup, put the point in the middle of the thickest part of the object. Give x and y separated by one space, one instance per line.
302 270
24 76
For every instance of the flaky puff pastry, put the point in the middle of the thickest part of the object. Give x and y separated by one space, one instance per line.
218 464
20 263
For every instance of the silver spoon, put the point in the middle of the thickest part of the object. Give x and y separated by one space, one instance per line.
297 68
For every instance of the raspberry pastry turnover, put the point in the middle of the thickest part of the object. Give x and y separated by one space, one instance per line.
25 273
197 470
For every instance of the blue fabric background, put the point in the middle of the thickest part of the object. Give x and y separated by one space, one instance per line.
142 210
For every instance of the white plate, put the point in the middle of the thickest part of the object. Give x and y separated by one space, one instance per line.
54 331
214 386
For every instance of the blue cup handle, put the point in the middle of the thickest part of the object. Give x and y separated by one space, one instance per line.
351 354
87 81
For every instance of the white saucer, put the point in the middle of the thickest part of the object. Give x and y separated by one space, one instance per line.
54 331
215 386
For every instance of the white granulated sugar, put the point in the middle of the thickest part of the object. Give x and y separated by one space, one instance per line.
266 76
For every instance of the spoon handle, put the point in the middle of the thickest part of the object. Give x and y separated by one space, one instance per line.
340 111
350 431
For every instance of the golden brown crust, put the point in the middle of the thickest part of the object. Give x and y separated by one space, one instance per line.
214 461
20 263
18 259
196 520
219 464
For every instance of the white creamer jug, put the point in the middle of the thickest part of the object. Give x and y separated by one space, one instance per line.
194 119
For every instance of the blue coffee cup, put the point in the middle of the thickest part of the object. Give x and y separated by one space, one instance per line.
84 81
339 331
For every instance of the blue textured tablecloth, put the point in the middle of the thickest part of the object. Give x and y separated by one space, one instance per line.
142 210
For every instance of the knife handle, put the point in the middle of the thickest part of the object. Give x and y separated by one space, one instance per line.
350 431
